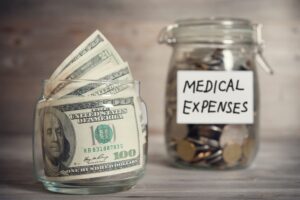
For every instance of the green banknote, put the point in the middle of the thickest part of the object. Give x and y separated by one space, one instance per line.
90 137
93 41
111 81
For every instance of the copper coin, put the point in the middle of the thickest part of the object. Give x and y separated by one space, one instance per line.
186 150
232 154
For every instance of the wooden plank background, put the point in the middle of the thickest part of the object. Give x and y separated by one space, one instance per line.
35 36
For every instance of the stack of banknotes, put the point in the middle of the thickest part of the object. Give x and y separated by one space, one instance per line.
94 59
91 100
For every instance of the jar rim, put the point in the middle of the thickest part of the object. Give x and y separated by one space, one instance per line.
214 30
224 21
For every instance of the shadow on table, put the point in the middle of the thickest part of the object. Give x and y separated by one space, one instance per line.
159 158
18 174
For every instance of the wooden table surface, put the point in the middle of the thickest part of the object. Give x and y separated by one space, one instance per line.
274 175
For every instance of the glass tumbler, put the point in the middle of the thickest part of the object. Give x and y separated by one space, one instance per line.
92 142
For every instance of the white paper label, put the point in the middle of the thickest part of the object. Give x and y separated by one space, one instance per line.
215 97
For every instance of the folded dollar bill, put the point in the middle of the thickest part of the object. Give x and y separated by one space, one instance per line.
104 82
93 41
89 61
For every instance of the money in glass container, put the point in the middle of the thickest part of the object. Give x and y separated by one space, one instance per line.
90 123
212 92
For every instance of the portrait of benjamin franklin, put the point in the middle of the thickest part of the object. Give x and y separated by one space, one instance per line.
56 146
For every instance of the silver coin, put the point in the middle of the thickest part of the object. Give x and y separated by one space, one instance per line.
211 132
214 155
215 160
200 146
210 142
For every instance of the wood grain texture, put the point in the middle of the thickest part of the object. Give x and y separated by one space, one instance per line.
274 175
35 36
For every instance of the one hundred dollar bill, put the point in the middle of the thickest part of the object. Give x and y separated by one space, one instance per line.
87 67
90 137
110 81
93 41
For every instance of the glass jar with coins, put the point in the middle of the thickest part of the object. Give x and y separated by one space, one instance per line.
91 137
212 100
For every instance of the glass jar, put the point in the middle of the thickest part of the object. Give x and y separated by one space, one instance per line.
212 100
86 144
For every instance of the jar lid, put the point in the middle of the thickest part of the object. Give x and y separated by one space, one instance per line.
212 30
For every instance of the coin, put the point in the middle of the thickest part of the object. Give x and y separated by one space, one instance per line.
186 150
232 153
200 156
241 64
210 142
248 149
215 60
199 146
212 132
214 155
233 134
203 141
216 160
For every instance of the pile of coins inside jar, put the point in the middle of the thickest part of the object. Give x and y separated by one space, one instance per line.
213 145
208 145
